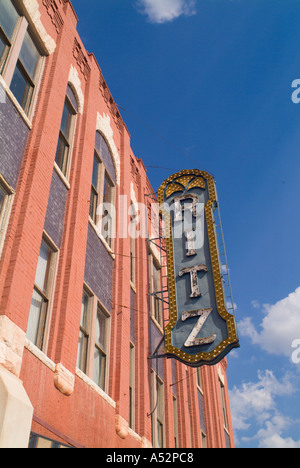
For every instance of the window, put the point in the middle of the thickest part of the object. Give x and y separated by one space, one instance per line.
132 244
175 416
156 291
4 195
158 412
95 190
8 21
131 386
23 80
199 379
107 220
101 347
41 294
93 341
84 333
20 58
38 441
63 151
102 195
6 198
223 402
132 260
2 198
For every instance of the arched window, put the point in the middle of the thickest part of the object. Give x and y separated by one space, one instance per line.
102 211
66 133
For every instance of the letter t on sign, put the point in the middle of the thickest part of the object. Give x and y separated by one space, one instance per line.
194 278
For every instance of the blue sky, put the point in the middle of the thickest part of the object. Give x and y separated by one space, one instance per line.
214 78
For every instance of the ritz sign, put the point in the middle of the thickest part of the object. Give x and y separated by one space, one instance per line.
200 330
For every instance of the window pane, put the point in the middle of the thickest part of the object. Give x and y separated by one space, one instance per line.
63 146
67 120
160 435
93 205
156 278
8 17
61 157
132 260
82 351
160 400
175 414
83 334
160 413
107 192
101 325
29 55
131 386
156 285
199 379
21 87
107 210
96 168
99 368
2 198
2 46
106 230
130 421
84 311
37 304
223 404
42 272
3 52
94 189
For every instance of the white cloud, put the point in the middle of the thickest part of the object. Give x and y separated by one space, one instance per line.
162 11
255 304
270 438
279 328
254 404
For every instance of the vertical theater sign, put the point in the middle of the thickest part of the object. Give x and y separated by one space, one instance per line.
200 331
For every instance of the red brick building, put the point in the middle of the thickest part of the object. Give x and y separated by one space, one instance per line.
77 323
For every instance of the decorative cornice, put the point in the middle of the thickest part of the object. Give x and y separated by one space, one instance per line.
81 59
53 12
75 83
110 102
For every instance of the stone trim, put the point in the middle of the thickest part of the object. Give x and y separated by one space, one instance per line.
16 412
103 125
64 380
12 341
75 84
31 8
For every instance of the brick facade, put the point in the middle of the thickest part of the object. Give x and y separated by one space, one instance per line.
68 406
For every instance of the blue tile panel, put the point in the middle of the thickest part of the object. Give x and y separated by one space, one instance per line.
99 269
54 222
13 137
